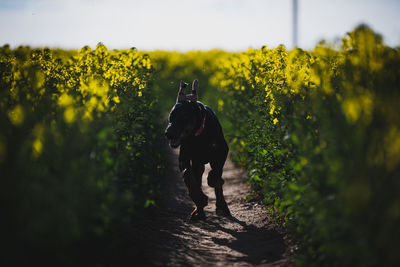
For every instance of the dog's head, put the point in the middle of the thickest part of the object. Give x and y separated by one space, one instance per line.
184 116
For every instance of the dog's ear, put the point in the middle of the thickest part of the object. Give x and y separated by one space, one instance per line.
193 96
181 94
195 86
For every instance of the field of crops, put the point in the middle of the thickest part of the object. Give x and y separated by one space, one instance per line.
319 135
318 132
80 151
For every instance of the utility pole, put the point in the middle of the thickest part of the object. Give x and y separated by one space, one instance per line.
295 7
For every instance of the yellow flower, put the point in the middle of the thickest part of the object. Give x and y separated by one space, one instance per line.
37 147
69 115
16 115
220 104
116 99
275 121
65 100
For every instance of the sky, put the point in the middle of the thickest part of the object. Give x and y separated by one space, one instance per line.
183 25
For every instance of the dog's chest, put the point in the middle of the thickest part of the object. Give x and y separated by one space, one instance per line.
202 150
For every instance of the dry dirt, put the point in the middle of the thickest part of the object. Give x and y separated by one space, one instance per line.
247 238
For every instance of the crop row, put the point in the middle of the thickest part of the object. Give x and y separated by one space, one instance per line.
80 153
319 134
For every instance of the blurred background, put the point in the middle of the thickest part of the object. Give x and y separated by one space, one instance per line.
191 25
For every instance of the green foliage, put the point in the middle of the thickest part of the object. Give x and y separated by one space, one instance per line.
171 67
80 151
321 143
317 131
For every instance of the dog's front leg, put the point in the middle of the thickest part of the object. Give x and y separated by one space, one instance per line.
195 193
184 159
184 165
192 178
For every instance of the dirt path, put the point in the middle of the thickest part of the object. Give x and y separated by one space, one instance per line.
245 239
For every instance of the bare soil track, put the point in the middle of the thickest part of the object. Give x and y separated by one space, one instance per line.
245 239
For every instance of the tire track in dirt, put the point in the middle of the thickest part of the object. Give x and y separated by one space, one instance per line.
245 239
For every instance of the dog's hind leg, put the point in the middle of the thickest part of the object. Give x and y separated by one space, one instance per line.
215 180
192 180
215 176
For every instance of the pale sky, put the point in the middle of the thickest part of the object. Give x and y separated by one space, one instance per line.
190 25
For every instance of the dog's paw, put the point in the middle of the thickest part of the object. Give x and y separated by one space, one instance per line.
197 214
223 211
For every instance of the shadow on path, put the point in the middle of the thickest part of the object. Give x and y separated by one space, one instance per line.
245 238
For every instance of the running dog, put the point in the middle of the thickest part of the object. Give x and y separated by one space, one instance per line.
195 128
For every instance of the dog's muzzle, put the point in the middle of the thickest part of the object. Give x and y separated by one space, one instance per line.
173 137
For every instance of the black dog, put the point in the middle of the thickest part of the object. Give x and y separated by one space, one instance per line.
195 128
